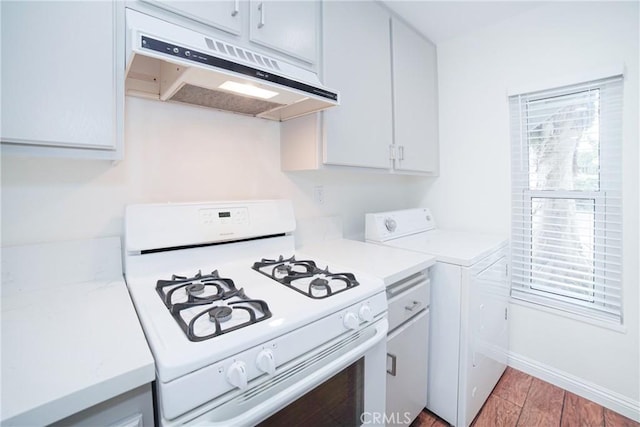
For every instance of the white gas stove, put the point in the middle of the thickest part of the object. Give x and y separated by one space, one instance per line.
241 326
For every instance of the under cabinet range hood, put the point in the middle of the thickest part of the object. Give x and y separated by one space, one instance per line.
172 63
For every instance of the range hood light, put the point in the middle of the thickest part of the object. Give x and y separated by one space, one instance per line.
247 89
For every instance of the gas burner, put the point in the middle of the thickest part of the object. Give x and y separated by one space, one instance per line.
305 276
220 314
182 291
281 267
195 289
319 283
189 299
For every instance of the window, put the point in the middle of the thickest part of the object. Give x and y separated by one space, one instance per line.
566 196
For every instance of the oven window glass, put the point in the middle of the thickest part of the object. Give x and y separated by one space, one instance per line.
338 401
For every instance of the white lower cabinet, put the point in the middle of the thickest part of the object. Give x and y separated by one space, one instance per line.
62 77
131 409
407 370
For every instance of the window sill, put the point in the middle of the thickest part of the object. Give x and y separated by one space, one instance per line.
583 318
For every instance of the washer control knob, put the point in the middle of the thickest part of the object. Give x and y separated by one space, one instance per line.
350 320
390 224
237 374
266 362
365 313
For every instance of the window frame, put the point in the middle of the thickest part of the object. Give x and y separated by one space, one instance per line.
595 307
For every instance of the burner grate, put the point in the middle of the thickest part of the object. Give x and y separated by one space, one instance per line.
305 277
206 306
257 310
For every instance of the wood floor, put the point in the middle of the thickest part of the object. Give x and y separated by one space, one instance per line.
525 401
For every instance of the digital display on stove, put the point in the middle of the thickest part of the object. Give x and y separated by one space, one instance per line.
224 214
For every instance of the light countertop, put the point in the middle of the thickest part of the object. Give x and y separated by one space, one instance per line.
71 341
387 263
452 247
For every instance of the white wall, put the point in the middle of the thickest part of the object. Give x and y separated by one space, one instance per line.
553 41
179 153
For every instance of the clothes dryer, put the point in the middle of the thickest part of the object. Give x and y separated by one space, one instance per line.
469 308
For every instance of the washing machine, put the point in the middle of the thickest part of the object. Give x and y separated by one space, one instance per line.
469 308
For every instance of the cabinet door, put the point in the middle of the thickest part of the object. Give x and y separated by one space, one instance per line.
59 77
407 350
222 14
290 27
357 62
415 100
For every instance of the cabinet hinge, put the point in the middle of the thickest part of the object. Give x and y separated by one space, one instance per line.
392 152
505 313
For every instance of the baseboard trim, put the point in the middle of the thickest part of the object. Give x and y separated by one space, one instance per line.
609 399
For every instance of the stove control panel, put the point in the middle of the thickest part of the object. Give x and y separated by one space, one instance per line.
233 216
265 360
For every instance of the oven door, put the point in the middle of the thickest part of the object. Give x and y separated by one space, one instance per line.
341 382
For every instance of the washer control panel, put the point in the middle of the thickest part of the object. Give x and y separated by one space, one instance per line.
383 226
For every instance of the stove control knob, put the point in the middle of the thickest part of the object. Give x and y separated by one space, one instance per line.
390 224
365 313
237 374
350 320
266 362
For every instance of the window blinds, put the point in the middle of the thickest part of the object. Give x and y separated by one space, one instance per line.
566 198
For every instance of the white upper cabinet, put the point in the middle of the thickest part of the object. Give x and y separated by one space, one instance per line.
222 14
62 77
290 27
386 74
357 62
286 27
415 101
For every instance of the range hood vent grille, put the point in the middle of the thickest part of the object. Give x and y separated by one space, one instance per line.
237 52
